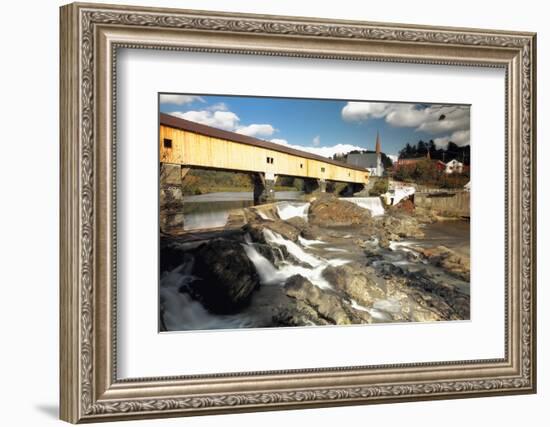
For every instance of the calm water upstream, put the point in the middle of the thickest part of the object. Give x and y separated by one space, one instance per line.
212 210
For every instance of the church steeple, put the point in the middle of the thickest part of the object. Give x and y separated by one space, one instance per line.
379 169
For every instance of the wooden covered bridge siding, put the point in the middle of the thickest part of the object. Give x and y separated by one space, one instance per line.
185 144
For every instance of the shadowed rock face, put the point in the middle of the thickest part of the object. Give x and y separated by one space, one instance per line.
226 275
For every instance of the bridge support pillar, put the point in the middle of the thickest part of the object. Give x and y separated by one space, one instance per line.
171 197
322 185
264 188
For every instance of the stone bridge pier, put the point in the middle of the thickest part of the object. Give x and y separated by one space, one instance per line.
264 188
171 197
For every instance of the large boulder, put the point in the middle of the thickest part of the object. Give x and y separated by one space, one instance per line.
324 305
355 282
226 276
329 211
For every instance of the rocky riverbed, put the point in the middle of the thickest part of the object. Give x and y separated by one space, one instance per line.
325 261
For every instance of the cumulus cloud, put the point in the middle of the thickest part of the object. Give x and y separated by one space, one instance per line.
179 99
220 117
225 120
435 119
460 138
256 130
362 111
220 106
320 151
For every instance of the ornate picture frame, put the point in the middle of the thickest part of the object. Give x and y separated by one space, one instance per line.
90 37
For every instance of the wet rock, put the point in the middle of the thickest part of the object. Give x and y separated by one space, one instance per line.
329 211
274 254
313 301
298 222
355 282
425 215
438 296
453 262
226 276
284 228
402 226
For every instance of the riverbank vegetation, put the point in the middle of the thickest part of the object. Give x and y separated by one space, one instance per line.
425 172
203 181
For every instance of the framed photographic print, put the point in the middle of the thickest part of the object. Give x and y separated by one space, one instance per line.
266 212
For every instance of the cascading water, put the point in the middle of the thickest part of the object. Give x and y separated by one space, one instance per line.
270 274
287 210
182 312
373 204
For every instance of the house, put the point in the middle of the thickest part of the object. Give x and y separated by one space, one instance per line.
454 166
370 161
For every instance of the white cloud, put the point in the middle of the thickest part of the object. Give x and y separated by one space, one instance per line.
225 120
362 111
220 106
219 117
256 130
320 151
460 138
393 157
179 99
446 119
317 141
435 119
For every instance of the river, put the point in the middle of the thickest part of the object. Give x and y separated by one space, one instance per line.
211 210
306 257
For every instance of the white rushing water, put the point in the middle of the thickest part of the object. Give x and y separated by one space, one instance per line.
308 243
182 312
373 204
271 274
271 237
287 210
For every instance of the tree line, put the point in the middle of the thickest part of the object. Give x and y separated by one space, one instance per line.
422 148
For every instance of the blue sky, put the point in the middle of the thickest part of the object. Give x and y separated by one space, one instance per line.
325 126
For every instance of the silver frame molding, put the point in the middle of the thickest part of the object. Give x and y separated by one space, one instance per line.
90 37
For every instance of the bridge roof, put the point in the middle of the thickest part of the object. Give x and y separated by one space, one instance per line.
177 123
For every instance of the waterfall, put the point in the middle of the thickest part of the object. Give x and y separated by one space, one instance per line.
270 274
181 312
272 237
287 210
373 204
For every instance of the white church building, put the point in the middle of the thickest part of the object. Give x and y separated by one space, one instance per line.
370 161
